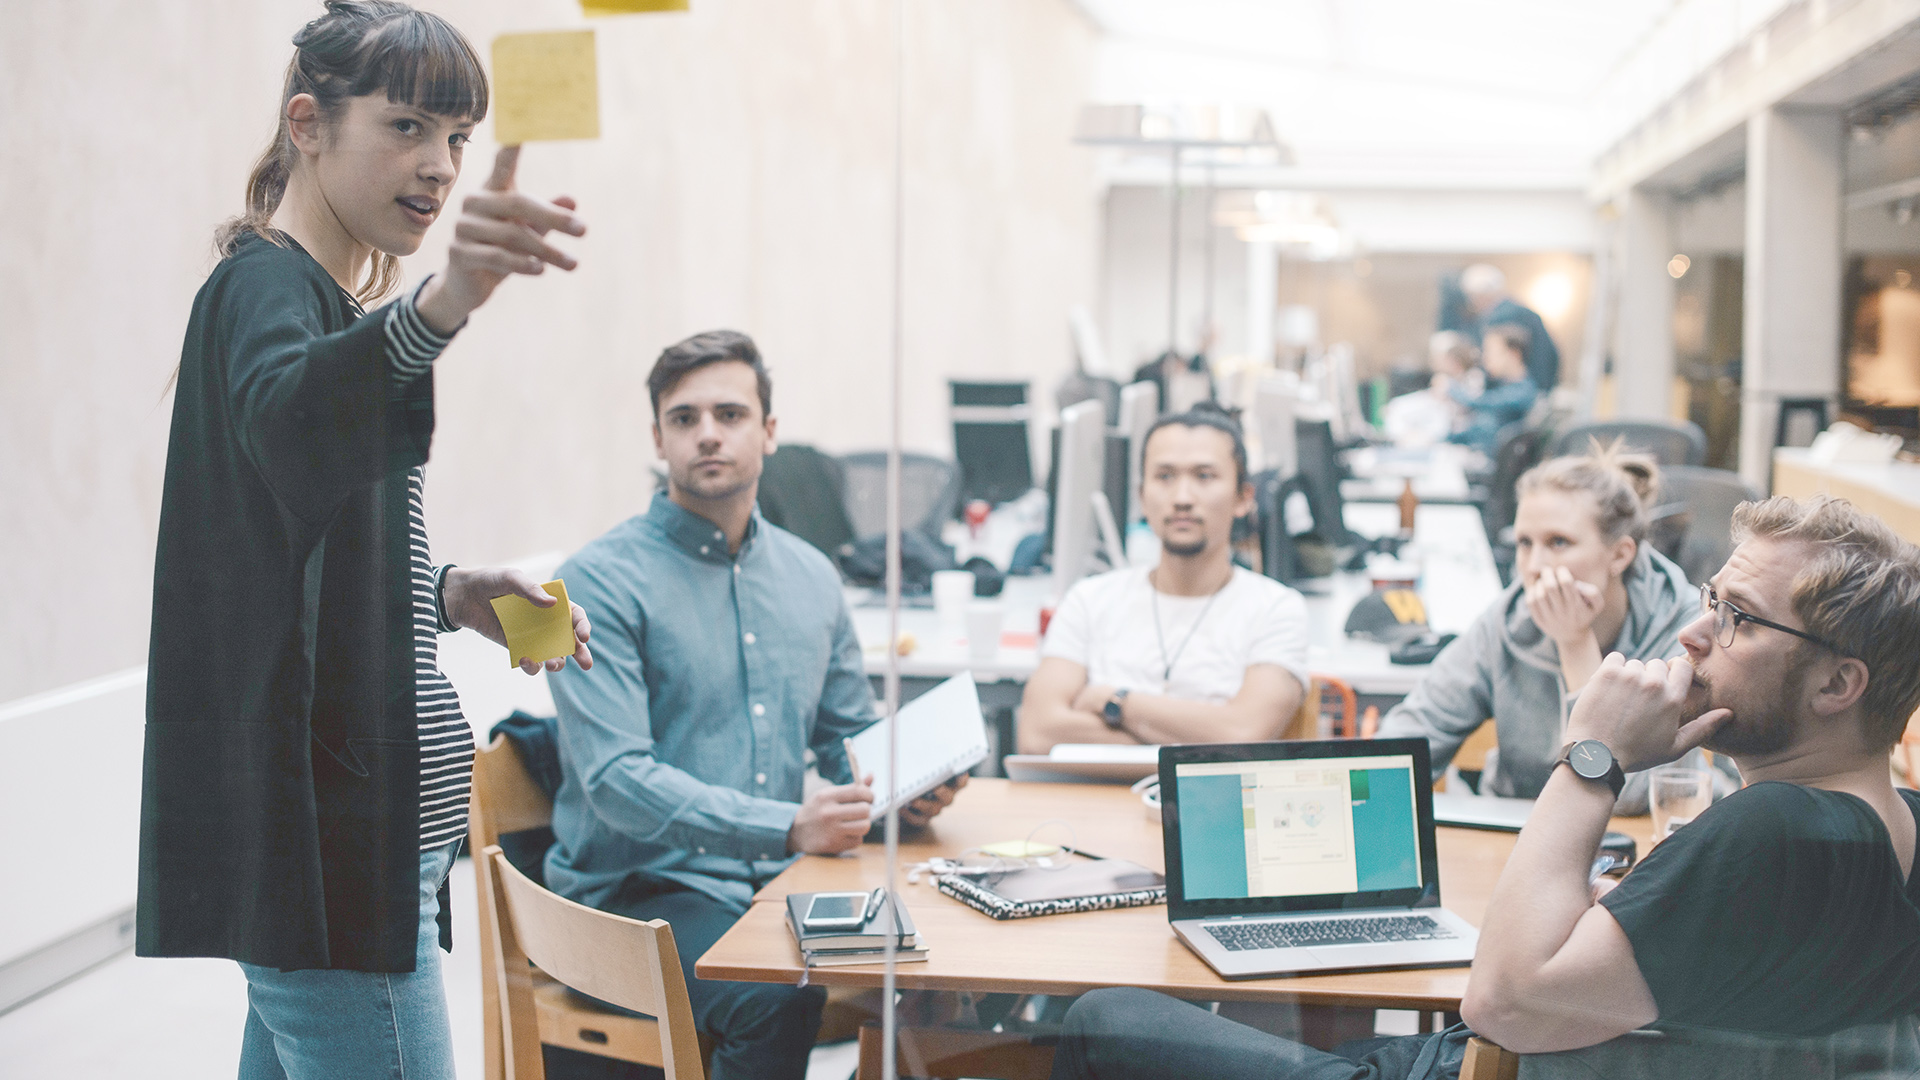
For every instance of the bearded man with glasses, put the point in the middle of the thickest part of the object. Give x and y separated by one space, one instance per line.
1776 935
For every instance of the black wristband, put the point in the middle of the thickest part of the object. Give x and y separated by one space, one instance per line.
440 598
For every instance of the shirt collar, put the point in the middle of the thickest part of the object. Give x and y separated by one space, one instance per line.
694 534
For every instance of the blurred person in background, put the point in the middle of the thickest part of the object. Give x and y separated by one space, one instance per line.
1486 290
1504 394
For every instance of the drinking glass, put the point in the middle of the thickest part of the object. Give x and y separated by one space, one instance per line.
1677 795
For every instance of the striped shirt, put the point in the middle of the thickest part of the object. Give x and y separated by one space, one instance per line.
446 741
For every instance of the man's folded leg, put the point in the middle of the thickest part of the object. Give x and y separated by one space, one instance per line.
760 1031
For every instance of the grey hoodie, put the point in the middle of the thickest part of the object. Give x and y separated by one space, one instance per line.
1506 668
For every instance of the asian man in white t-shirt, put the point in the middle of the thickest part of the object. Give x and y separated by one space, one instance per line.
1194 649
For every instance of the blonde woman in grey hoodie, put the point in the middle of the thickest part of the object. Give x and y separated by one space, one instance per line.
1585 584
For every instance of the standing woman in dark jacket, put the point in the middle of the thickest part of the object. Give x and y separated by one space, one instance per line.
307 766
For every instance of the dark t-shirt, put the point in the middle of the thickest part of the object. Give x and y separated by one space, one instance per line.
1780 910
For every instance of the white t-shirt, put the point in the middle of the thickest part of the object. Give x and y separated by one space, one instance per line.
1106 625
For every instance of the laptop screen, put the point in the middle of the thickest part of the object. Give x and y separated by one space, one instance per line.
1298 828
1339 822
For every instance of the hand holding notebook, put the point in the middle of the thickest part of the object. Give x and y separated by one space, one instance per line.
940 735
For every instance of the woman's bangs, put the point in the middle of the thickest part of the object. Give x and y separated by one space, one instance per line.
424 62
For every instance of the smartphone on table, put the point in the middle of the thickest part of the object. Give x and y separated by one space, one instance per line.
838 910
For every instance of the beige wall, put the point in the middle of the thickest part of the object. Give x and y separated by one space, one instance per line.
743 179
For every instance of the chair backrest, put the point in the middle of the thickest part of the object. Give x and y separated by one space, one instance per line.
1517 448
929 492
1710 496
801 490
505 798
1671 442
622 961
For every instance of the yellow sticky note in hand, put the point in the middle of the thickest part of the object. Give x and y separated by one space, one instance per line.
629 7
536 633
545 86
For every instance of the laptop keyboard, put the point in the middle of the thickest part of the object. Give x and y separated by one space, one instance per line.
1301 933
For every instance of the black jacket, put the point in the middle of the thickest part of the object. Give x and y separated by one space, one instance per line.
279 820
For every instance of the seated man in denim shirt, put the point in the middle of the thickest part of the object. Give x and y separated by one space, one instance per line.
728 653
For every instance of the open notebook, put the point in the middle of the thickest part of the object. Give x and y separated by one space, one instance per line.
941 736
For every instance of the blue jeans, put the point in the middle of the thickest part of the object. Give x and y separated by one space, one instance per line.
355 1025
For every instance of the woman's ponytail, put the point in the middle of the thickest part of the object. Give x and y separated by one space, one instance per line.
1624 485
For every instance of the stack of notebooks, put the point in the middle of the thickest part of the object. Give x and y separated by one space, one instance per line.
867 945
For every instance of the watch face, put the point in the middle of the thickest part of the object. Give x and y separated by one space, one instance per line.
1590 759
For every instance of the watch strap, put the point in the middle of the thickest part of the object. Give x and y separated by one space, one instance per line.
1616 777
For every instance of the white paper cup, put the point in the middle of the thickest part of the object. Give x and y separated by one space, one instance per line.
952 592
983 630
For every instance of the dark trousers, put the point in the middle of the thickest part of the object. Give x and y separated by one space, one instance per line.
1128 1034
760 1031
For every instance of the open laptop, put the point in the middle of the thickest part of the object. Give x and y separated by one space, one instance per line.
1291 858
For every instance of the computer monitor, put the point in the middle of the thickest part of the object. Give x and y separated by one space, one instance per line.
1320 478
1083 449
1113 482
1273 422
1343 390
990 439
1139 408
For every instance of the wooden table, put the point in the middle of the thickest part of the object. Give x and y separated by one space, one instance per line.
1071 954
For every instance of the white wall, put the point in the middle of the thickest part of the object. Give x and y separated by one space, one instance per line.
1462 224
743 179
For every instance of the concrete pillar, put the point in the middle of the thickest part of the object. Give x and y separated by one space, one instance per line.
1263 296
1796 169
1643 337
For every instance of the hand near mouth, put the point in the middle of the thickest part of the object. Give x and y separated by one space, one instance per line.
499 233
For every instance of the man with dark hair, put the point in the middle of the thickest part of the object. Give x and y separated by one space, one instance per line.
1788 910
729 653
711 347
1192 650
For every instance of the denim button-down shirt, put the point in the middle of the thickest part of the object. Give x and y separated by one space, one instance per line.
682 752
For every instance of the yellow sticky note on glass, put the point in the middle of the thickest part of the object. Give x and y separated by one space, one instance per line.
536 633
545 86
630 7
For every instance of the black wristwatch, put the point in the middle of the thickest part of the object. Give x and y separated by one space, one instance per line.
1110 712
1591 760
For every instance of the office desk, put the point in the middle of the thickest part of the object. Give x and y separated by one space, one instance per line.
1071 954
1890 491
1380 474
1459 582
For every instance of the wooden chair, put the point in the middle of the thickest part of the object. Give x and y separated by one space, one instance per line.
1332 697
1487 1060
630 963
523 1006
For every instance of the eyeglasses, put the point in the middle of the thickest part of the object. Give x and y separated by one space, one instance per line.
1727 620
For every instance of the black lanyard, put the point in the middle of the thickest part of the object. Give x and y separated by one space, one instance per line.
1167 672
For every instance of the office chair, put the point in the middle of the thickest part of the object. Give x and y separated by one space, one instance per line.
1671 442
802 491
929 492
1278 558
1709 496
